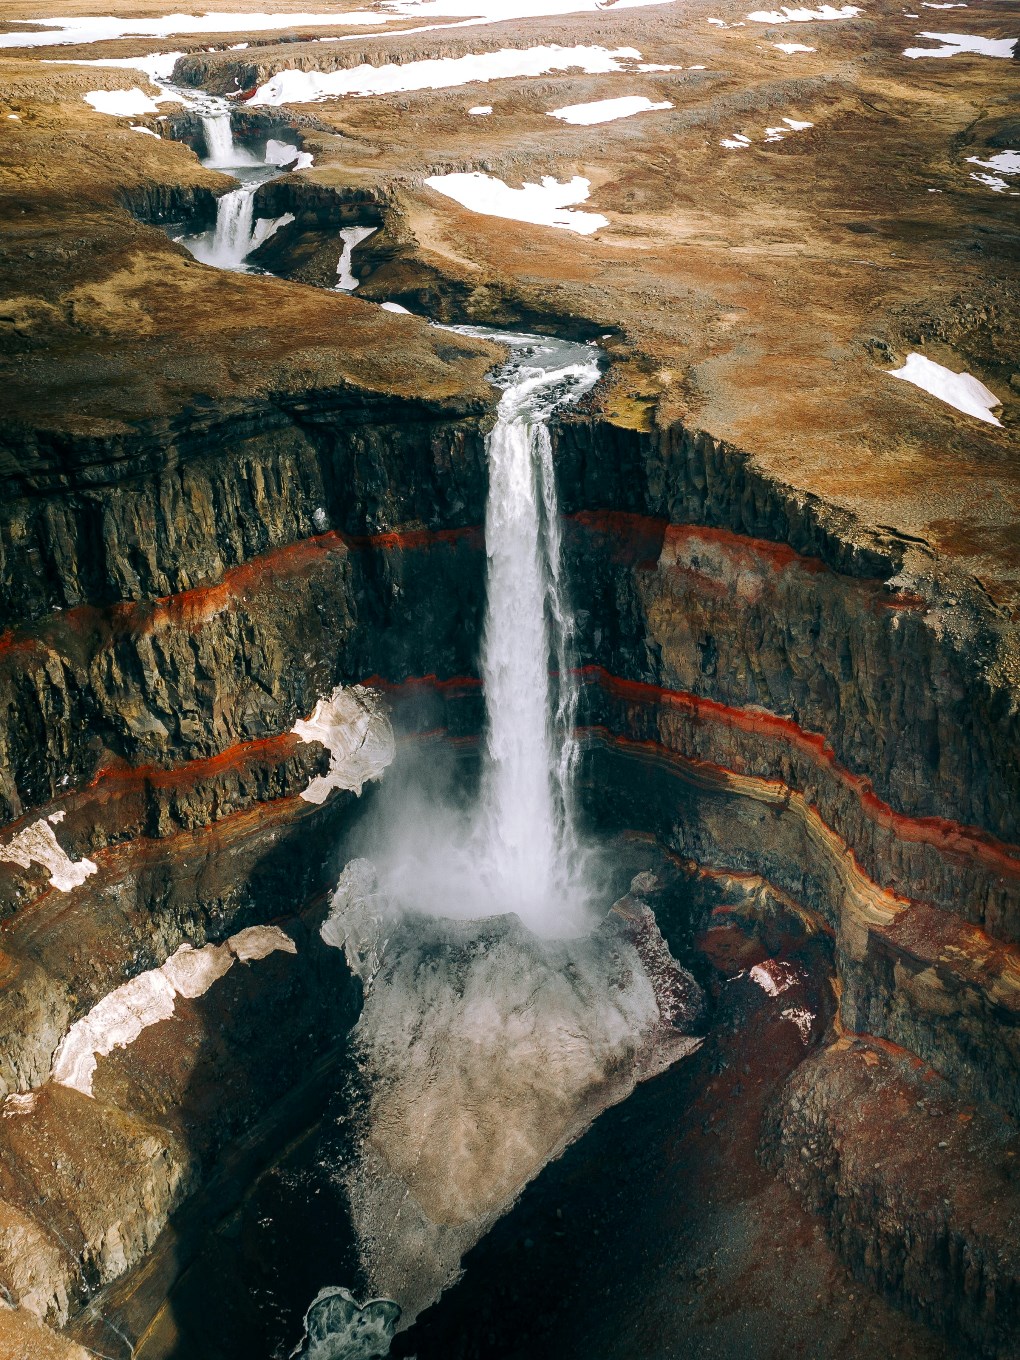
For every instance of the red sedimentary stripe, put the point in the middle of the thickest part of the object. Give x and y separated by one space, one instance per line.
190 608
941 833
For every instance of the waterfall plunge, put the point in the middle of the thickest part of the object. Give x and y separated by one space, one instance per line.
518 850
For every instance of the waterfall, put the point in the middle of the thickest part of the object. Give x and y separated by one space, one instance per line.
527 823
518 849
232 239
219 139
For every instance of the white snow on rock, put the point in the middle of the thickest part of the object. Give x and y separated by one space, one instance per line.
122 1015
790 48
440 73
351 236
122 103
606 110
775 975
961 390
543 204
786 15
992 182
54 32
739 141
157 66
956 43
354 728
39 843
137 127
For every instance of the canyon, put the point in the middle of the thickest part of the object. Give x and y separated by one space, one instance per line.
248 565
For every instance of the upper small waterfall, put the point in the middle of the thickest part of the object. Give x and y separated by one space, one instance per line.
219 139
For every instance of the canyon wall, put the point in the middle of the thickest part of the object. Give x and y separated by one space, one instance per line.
768 687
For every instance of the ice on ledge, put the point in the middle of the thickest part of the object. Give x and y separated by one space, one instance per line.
786 15
122 1015
351 237
544 205
954 44
961 390
439 73
39 843
606 110
354 728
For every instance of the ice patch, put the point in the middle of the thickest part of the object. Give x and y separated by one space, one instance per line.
354 728
786 15
39 843
302 87
961 390
351 236
286 155
956 43
122 1015
480 111
606 110
794 47
337 1327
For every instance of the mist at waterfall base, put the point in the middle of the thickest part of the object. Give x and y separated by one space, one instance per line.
514 846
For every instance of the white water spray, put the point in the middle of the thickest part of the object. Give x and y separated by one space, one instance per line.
519 852
219 139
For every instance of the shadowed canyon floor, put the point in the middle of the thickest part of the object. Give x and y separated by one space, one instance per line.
788 615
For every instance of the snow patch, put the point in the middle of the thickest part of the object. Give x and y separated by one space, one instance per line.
90 30
1005 162
956 43
440 73
354 728
137 127
961 390
786 15
480 111
122 1015
39 843
543 204
790 48
122 103
606 110
739 141
394 307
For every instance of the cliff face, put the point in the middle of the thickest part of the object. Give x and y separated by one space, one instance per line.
769 689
